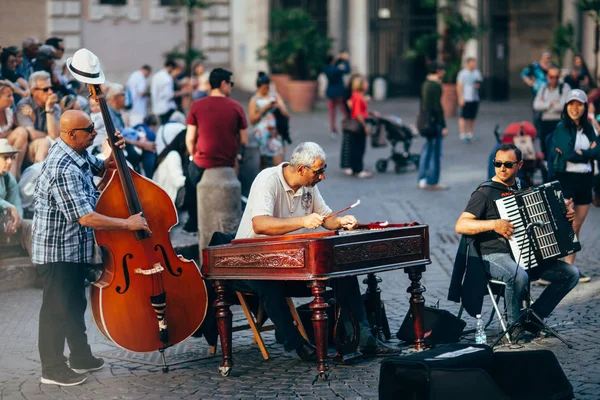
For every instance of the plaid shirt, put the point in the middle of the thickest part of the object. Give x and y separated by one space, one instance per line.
64 192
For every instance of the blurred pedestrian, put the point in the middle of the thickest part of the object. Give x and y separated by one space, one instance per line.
136 91
549 103
467 88
359 112
335 69
431 155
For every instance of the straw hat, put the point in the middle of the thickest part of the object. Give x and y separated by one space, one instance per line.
6 148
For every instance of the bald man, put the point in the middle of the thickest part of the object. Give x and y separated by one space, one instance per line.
63 246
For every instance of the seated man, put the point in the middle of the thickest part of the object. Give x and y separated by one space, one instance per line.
39 115
284 199
481 218
11 212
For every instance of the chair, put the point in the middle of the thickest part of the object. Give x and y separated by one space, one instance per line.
497 287
256 323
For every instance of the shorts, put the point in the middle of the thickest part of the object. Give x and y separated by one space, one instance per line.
576 186
469 110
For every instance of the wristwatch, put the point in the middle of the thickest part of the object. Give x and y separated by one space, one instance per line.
49 112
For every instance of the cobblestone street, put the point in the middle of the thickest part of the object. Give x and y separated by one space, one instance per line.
387 196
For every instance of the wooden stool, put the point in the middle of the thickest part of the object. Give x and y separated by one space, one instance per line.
256 324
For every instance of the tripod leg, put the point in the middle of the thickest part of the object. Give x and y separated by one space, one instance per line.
552 332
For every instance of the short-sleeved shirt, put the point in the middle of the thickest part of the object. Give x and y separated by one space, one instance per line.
218 121
482 206
29 114
64 193
469 79
9 193
359 106
271 195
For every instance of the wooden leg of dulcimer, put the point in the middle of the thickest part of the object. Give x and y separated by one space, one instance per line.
224 321
417 303
319 319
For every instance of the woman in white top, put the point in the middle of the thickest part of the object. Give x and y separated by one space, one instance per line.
575 146
17 136
261 111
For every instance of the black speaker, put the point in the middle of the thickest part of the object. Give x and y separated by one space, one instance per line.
441 326
464 371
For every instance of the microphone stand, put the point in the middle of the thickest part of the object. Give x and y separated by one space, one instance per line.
528 316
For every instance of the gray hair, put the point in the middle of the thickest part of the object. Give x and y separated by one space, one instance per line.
306 154
38 76
29 41
113 89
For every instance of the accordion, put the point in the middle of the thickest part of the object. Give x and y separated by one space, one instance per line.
542 231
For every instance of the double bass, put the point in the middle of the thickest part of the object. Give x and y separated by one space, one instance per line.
148 298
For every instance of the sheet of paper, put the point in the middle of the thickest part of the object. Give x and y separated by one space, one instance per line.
456 353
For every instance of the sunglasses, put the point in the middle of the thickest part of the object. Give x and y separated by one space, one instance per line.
89 129
231 83
318 171
507 164
44 89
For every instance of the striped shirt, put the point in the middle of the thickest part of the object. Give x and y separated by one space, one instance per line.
64 192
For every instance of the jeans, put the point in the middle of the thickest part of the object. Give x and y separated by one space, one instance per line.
272 294
431 158
62 314
331 105
194 175
563 278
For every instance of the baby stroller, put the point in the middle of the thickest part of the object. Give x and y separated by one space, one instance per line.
521 134
395 132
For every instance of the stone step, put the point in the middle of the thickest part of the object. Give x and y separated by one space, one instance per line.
18 272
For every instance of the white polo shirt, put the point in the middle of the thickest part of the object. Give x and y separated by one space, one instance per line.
271 195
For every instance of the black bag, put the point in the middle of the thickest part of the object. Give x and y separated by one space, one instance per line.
440 326
352 126
426 124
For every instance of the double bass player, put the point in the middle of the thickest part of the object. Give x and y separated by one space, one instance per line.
63 245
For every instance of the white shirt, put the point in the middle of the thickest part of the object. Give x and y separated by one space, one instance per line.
10 119
137 84
162 92
468 80
271 195
581 143
169 174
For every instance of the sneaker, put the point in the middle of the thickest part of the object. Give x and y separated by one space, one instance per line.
469 137
334 134
463 137
364 174
347 171
63 376
89 365
422 184
583 278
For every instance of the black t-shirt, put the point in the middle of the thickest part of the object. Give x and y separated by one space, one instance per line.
481 205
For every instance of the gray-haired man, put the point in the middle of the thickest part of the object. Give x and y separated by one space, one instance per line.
284 199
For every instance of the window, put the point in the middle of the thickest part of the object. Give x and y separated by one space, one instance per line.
113 2
171 3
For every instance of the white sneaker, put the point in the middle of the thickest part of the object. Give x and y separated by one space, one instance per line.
422 183
347 171
364 174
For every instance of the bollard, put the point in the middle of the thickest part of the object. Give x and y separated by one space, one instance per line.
250 165
219 206
379 89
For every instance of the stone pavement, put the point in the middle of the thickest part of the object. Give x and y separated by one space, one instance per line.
389 196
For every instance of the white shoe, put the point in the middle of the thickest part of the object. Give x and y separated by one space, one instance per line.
347 171
422 183
364 174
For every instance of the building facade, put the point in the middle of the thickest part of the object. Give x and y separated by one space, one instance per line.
126 34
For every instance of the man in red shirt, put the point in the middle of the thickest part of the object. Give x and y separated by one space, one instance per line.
216 128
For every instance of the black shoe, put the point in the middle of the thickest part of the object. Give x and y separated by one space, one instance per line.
62 376
87 365
307 352
379 349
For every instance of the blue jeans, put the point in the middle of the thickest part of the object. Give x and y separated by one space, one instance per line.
563 278
431 158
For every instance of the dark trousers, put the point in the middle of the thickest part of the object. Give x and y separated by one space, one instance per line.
272 294
545 129
62 314
194 175
358 145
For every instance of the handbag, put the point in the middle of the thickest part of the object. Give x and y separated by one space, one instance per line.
352 126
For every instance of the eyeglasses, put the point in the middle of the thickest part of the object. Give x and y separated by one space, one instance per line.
44 89
89 129
507 164
318 171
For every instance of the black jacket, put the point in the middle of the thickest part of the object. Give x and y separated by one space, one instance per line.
468 284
